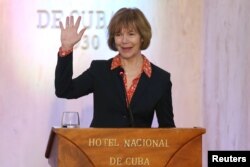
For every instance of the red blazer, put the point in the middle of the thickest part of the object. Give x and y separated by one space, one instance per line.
152 94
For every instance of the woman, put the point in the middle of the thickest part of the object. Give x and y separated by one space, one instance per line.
127 88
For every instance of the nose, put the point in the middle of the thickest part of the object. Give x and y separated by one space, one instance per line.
124 38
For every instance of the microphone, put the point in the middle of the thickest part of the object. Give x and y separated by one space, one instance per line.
131 116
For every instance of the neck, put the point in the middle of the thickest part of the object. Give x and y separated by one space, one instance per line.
132 65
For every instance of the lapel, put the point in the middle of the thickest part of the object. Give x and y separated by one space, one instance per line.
119 89
143 83
118 85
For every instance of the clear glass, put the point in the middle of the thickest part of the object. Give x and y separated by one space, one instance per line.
70 120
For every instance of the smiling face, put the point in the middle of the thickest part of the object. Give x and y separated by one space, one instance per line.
129 23
128 42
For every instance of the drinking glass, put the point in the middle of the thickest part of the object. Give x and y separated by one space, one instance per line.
70 120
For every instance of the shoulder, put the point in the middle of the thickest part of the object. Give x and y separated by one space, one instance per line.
159 72
100 65
161 77
99 62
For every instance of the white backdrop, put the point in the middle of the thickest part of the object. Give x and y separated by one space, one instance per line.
184 42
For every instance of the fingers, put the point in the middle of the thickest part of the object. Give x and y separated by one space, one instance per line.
71 28
61 25
71 21
82 31
78 22
67 21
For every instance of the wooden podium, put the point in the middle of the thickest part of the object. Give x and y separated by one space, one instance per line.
103 147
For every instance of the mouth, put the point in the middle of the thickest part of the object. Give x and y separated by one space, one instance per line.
126 49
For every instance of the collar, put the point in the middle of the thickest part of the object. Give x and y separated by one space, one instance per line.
146 67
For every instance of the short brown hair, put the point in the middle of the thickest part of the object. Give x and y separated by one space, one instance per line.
129 18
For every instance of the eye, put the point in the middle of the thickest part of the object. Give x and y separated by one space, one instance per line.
117 34
131 33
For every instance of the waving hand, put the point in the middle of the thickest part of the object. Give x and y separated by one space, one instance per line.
69 34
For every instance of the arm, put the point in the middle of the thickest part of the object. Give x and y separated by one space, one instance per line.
66 86
69 88
164 108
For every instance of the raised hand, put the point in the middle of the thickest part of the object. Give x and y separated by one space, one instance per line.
69 34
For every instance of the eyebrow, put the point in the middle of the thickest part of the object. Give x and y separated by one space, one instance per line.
128 30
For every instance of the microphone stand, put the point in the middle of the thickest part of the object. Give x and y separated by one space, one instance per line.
130 111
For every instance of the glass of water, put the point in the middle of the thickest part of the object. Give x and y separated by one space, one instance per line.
70 120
